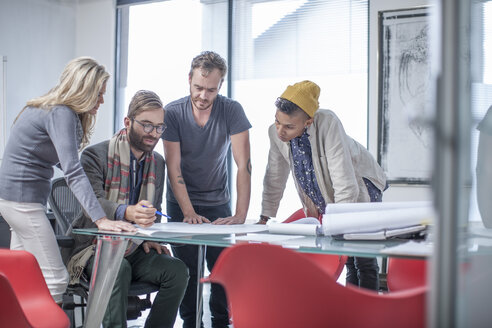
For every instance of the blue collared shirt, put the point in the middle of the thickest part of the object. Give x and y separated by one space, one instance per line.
136 173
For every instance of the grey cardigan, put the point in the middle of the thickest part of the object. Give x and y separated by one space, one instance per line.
94 160
40 139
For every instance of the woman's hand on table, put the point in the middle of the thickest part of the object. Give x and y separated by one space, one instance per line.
117 226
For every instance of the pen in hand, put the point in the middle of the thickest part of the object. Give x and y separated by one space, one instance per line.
159 213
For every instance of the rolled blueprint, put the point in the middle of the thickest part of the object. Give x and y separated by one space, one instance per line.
295 229
375 206
369 221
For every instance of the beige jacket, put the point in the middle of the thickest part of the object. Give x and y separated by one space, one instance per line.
339 163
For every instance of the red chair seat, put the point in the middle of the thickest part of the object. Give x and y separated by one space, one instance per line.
25 300
332 264
406 274
270 286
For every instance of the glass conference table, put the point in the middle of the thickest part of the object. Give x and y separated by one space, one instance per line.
111 246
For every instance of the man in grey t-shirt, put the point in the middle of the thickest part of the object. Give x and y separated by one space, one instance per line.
200 129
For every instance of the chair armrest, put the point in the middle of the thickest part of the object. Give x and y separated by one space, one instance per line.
65 241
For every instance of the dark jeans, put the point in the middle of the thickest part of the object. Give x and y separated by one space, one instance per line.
364 271
189 255
165 271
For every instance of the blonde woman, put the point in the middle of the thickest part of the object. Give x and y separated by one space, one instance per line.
49 131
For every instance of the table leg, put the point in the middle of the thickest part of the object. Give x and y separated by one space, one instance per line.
202 251
107 261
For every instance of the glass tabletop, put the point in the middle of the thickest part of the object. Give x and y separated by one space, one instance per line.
306 244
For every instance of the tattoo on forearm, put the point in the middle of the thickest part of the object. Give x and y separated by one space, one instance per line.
180 179
248 166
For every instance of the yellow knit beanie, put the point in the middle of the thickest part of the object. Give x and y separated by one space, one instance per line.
304 94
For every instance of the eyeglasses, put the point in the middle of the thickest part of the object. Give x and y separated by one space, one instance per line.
148 128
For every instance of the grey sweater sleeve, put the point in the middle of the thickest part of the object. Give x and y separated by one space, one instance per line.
62 127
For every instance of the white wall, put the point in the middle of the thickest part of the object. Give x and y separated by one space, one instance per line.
95 37
395 192
38 39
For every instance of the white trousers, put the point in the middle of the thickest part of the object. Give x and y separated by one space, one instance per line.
32 232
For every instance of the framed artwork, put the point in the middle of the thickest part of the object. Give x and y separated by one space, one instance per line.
404 142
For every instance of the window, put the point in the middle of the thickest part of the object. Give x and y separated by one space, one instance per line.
271 44
277 43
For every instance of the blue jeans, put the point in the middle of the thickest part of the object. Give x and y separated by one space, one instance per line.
364 271
189 255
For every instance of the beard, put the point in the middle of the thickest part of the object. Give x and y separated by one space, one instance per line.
200 105
137 141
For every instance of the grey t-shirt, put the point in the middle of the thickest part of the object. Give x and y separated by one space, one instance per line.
38 140
204 149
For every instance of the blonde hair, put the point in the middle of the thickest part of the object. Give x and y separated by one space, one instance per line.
80 84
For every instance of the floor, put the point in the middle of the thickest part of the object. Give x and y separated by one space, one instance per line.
140 322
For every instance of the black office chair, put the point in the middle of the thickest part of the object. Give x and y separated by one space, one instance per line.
66 208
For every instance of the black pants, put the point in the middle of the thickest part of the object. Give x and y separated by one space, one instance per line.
189 255
364 271
169 273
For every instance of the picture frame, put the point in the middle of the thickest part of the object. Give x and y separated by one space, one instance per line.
404 142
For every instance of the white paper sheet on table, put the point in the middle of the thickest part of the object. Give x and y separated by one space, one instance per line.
289 241
267 237
204 228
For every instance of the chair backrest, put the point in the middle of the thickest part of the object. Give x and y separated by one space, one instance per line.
270 286
25 299
64 205
332 264
406 274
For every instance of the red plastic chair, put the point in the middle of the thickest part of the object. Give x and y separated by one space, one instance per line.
25 300
406 274
270 286
332 264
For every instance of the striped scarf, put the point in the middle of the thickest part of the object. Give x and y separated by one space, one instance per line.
117 184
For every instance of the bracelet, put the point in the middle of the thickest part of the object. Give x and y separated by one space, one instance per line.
264 218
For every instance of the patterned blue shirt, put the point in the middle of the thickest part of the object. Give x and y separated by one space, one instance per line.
304 170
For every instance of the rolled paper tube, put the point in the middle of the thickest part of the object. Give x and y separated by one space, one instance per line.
294 229
375 206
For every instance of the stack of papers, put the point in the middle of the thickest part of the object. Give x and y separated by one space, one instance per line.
377 221
204 228
407 232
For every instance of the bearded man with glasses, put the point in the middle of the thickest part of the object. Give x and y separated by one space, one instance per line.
128 179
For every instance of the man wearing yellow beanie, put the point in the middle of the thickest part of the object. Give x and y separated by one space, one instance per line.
327 165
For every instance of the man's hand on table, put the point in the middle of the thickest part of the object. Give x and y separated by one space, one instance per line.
230 220
194 218
263 219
